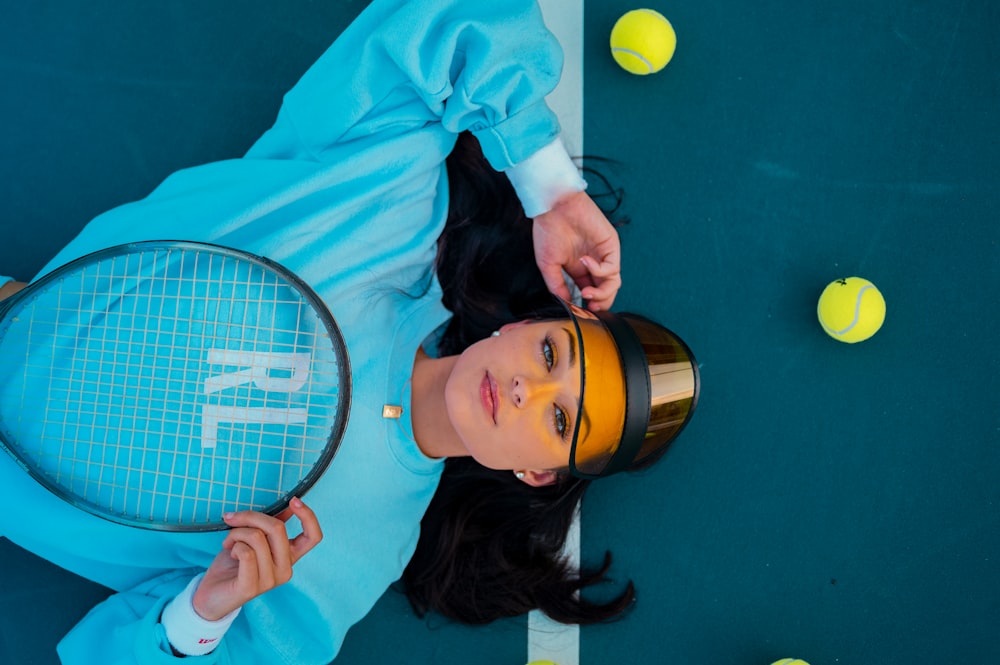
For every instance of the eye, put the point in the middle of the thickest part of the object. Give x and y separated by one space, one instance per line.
560 421
549 352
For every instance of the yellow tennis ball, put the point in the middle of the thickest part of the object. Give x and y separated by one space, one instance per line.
789 661
643 41
851 310
542 662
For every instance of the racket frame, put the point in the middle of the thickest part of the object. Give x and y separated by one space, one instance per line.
337 429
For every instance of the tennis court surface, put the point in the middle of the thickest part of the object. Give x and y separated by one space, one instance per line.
836 503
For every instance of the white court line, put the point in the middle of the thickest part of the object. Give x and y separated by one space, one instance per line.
548 640
565 19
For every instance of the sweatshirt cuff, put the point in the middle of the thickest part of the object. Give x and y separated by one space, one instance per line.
186 631
544 178
4 279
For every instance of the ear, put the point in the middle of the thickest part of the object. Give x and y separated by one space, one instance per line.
538 478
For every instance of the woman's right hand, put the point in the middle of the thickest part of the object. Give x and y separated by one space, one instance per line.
256 557
575 236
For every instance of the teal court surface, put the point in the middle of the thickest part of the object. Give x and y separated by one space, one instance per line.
831 502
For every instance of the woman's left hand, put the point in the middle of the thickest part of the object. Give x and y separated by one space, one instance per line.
256 556
10 288
576 236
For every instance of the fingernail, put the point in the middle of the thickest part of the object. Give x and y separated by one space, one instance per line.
227 516
296 502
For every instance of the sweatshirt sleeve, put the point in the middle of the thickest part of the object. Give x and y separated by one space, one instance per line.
282 627
435 65
125 629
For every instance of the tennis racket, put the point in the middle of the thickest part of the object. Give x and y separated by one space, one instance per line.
161 384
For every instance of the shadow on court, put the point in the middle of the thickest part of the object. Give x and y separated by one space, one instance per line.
39 603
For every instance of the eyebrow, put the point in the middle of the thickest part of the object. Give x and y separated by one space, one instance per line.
572 364
572 347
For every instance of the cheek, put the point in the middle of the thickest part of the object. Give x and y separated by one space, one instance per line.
456 402
527 443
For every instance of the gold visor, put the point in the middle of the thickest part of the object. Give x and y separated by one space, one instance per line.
638 388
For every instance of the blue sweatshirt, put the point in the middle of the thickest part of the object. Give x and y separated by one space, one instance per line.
348 190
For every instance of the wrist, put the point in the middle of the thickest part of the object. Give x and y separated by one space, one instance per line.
545 178
187 631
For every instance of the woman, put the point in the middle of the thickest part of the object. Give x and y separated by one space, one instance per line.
349 190
485 526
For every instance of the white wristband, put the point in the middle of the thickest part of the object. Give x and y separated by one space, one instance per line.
186 631
544 178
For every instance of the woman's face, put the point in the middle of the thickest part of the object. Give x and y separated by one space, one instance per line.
514 399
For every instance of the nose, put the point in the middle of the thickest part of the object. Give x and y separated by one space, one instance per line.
524 389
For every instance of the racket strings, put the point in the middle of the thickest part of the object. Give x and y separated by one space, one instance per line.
197 384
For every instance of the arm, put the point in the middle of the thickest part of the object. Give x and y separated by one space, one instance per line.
155 624
570 232
439 66
256 557
434 66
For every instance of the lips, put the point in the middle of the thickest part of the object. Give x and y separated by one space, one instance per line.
490 396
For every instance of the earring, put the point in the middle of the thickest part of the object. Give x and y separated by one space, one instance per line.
519 475
496 333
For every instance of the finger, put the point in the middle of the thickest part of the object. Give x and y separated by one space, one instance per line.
607 267
578 272
266 570
251 518
555 282
596 302
603 292
247 573
272 527
606 280
311 534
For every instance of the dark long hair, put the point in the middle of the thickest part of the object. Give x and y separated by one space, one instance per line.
490 545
